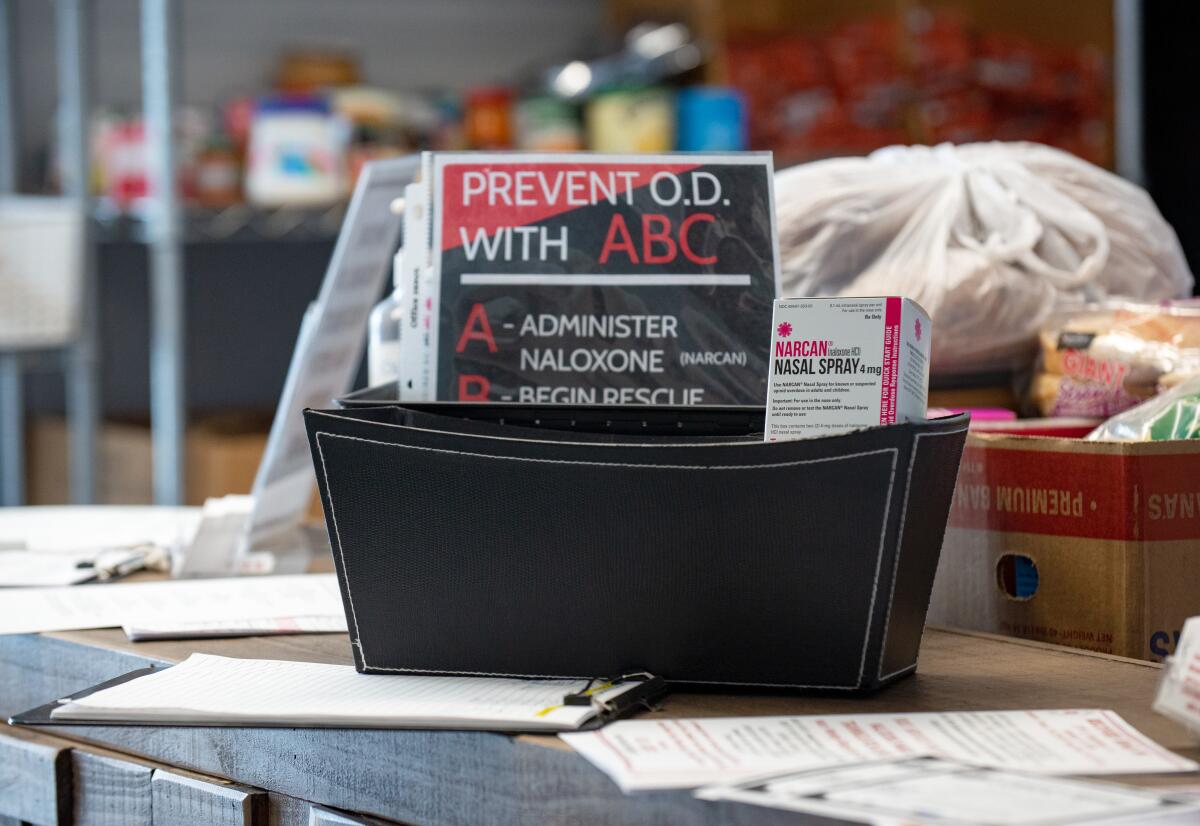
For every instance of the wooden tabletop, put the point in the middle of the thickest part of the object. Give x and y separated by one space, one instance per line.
959 671
471 777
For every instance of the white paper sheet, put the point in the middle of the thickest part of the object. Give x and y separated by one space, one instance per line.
30 610
1179 688
221 690
934 791
71 527
35 569
663 754
149 629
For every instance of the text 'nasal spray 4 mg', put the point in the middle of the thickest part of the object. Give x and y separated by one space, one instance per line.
840 364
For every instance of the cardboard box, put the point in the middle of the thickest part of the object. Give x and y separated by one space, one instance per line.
961 398
1089 544
123 475
223 453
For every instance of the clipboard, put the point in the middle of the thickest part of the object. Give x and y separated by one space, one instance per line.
646 696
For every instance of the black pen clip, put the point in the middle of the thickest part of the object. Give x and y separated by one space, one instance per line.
649 688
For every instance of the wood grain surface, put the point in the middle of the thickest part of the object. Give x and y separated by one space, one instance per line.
320 816
477 777
110 788
110 791
959 671
35 778
182 800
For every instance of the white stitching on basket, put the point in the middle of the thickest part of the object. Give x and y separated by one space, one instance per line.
338 536
887 617
874 590
887 510
609 464
493 437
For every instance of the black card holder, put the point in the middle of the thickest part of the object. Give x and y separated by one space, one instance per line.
40 716
567 542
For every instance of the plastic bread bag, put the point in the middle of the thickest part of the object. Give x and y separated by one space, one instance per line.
1107 359
993 239
1173 415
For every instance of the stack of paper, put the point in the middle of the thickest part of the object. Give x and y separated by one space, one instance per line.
208 690
929 790
662 754
46 546
165 629
216 607
69 528
31 569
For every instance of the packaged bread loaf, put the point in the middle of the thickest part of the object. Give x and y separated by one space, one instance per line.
1106 360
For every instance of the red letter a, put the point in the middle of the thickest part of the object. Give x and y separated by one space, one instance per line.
612 244
477 328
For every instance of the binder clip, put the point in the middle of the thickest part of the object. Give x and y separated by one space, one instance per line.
650 687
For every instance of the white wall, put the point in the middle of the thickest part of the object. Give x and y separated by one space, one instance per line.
232 45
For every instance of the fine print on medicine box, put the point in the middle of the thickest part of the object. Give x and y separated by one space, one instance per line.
840 364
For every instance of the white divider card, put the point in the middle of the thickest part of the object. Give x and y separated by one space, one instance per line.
1179 688
416 324
328 351
598 279
663 754
930 790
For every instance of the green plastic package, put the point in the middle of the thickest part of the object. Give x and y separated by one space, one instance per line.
1174 414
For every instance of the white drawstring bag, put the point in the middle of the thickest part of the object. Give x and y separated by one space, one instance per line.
992 239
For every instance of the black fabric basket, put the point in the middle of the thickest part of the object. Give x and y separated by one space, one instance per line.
588 542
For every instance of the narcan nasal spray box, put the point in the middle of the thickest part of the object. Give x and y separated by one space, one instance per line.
840 364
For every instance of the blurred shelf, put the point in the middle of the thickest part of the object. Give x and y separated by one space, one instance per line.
236 224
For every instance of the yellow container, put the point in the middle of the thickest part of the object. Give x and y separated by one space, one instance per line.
641 120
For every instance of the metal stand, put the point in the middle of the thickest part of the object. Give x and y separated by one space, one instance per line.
73 22
72 33
8 98
12 400
167 400
81 366
12 431
1127 88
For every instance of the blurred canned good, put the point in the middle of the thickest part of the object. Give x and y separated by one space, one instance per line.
488 118
631 120
546 124
711 119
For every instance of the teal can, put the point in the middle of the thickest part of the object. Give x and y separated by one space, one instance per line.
711 119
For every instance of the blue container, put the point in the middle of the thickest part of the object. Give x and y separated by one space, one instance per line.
711 119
